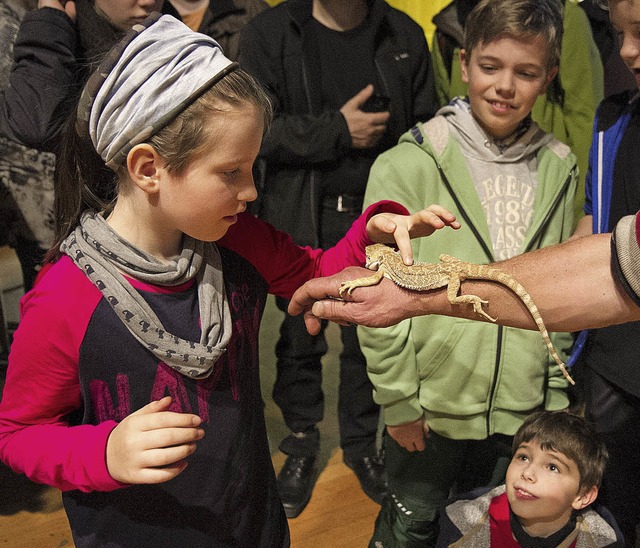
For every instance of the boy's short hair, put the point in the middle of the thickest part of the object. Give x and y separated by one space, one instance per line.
571 435
490 19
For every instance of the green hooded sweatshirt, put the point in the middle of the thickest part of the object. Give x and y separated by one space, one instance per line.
470 379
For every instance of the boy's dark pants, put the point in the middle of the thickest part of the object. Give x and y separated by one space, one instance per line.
421 481
298 387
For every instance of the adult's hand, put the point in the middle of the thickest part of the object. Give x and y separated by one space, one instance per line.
579 268
380 305
366 128
62 5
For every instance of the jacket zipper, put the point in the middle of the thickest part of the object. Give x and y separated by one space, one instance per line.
489 254
550 212
312 176
464 214
494 381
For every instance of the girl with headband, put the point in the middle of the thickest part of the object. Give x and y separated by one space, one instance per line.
133 382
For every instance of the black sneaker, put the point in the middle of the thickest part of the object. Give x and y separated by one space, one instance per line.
371 474
295 483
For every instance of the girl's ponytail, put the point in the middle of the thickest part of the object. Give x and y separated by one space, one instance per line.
82 181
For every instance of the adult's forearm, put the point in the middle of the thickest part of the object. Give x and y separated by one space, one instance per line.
571 283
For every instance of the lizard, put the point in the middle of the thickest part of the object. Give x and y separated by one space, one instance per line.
449 272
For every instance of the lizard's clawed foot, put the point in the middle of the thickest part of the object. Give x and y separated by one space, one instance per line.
477 308
348 287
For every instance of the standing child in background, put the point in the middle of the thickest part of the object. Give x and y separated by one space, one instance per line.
52 50
454 391
133 382
547 501
617 77
609 361
223 20
26 175
569 104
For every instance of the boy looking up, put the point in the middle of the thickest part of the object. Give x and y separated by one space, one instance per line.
552 481
454 392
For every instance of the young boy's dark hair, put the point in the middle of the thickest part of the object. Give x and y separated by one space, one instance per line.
571 435
490 19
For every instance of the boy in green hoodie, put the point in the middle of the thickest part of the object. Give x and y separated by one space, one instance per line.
455 391
567 108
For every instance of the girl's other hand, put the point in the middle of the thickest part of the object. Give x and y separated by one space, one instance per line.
399 229
152 444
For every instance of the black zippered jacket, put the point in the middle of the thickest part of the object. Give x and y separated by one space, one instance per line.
53 58
276 49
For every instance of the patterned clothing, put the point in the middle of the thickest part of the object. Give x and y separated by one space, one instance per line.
483 519
26 175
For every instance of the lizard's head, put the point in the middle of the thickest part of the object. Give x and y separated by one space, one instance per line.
375 255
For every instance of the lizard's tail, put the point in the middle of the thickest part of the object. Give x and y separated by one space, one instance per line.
535 313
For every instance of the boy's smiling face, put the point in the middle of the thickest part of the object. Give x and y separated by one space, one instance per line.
543 488
505 77
625 18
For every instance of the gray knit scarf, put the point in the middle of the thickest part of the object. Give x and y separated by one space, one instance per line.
104 257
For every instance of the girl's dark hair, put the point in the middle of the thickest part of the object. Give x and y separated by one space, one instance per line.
83 181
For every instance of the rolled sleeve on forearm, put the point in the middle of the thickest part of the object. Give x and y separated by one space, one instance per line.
625 255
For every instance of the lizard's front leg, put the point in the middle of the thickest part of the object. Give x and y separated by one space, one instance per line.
453 287
350 285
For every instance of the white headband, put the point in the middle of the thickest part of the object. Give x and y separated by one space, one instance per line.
157 71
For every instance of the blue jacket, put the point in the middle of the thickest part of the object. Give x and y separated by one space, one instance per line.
610 124
612 119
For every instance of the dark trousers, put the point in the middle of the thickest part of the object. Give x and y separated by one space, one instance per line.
616 415
298 386
421 481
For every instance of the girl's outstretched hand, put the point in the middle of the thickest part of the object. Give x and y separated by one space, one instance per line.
386 228
152 444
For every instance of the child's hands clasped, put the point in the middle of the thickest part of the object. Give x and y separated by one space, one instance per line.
399 229
152 444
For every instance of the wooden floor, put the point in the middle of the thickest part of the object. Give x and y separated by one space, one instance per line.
338 515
